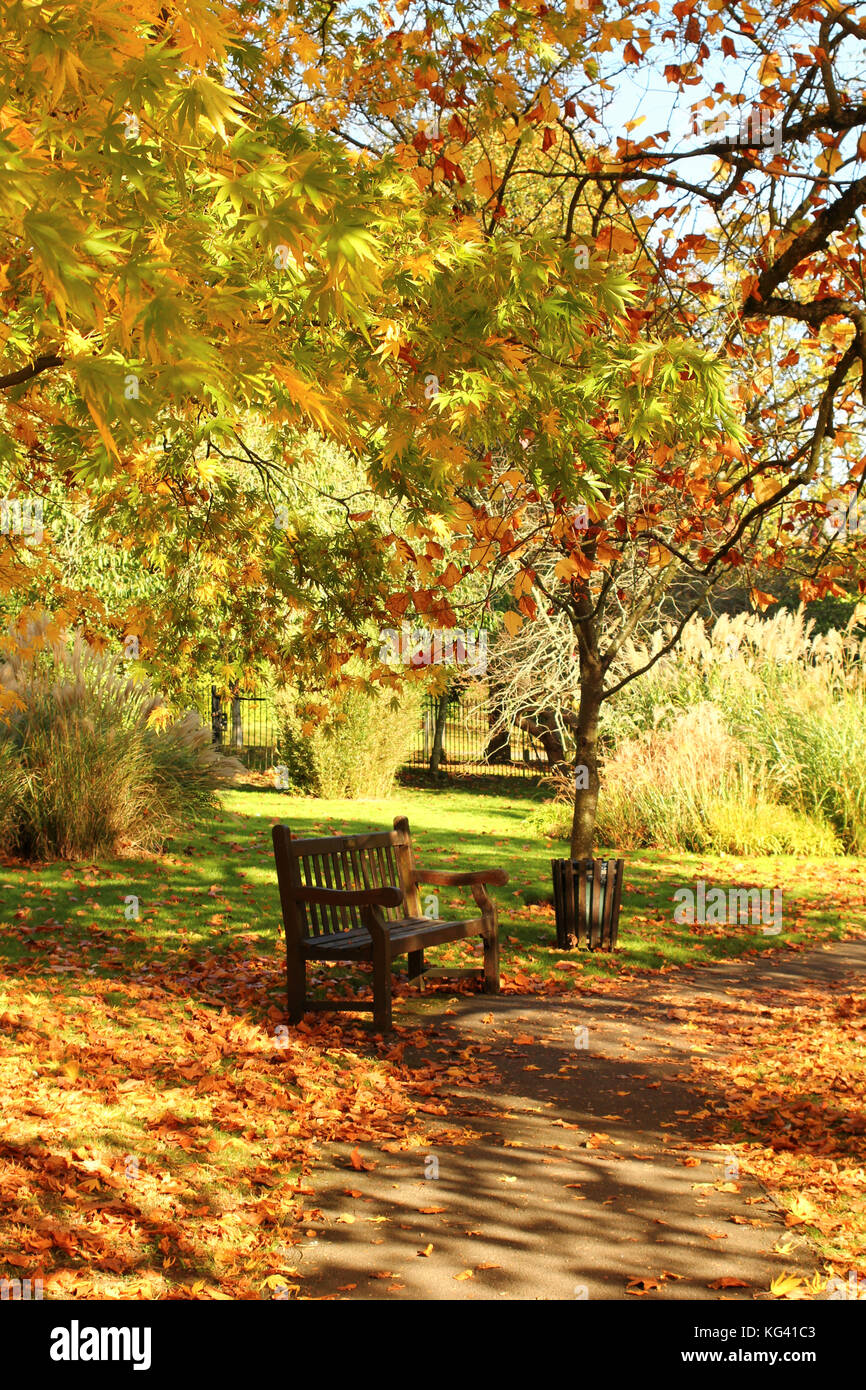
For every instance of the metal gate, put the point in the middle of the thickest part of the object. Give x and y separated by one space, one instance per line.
243 723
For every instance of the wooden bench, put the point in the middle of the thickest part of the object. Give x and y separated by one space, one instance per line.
355 897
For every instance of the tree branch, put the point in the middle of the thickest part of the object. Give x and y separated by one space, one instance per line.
43 363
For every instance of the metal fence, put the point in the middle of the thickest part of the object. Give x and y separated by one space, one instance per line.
245 725
470 743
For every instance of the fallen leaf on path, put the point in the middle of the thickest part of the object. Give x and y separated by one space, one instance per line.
638 1287
785 1284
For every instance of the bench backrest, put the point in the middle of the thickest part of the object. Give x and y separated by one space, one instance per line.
381 859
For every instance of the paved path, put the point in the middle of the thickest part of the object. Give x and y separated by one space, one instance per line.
584 1168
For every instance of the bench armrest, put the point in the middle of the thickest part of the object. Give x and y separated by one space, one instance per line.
445 879
350 897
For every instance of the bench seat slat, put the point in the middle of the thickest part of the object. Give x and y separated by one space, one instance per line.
410 934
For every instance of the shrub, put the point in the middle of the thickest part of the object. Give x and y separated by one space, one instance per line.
765 827
352 749
692 786
793 701
91 762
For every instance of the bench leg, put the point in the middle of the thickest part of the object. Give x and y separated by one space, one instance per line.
381 988
491 963
416 967
296 985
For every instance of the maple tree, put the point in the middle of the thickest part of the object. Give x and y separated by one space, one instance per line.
222 259
416 235
156 243
507 115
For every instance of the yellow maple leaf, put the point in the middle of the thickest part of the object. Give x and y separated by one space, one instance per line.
486 182
828 161
765 488
785 1285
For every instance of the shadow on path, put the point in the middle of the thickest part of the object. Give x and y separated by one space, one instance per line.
587 1170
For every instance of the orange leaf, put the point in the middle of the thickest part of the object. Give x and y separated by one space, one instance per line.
762 600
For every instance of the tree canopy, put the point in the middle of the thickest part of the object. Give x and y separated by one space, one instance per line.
432 236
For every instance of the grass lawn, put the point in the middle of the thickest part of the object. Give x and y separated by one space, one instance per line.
217 886
160 1125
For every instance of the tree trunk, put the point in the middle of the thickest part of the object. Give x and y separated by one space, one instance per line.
586 755
544 729
498 746
439 733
